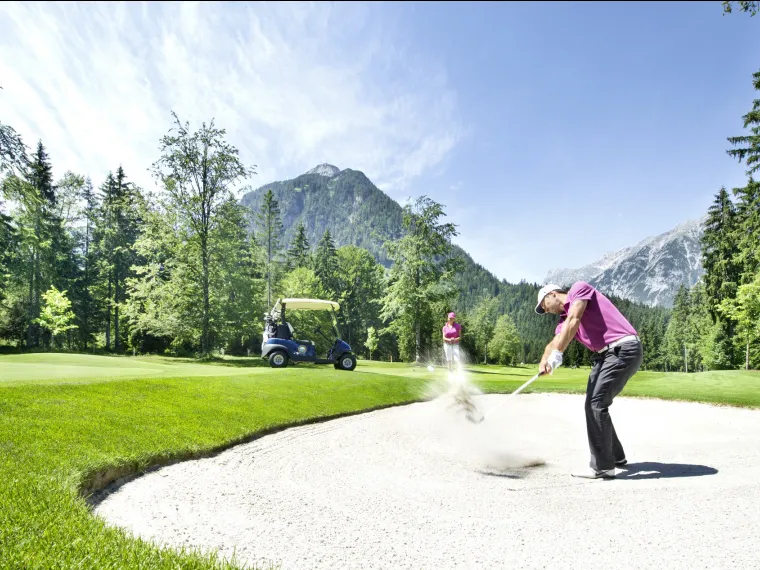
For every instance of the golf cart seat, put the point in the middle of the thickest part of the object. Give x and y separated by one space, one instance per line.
285 331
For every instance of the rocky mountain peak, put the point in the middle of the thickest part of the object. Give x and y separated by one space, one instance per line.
325 169
649 272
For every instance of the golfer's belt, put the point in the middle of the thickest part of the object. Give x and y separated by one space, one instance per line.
619 341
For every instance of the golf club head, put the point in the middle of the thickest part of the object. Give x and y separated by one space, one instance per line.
474 417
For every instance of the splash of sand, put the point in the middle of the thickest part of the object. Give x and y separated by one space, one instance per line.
483 444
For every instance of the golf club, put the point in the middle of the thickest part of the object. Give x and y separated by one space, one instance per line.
489 412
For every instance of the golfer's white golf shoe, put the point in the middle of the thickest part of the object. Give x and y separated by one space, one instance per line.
589 473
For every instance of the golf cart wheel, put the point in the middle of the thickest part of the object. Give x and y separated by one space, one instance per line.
278 359
346 362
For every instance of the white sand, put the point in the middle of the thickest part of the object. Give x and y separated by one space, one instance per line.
419 487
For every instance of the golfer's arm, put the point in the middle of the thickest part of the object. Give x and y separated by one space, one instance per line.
573 321
548 349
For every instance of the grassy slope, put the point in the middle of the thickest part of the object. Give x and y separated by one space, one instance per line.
731 387
66 418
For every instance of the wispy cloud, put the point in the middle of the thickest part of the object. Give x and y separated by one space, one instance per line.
294 84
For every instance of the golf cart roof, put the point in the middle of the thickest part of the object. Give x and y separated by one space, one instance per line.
305 305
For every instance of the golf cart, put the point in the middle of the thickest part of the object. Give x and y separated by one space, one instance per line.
279 344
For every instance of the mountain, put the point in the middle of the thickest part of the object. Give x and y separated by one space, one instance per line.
343 201
649 272
357 212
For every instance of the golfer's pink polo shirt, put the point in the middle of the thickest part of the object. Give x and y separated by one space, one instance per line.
451 331
601 322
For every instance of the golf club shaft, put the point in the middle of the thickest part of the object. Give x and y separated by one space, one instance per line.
520 389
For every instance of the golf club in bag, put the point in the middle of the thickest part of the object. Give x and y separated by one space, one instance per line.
473 418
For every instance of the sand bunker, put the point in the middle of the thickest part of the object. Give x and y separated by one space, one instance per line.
419 487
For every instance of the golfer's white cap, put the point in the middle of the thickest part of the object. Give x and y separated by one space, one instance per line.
545 290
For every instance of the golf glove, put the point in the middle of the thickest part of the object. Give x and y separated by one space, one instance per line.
554 360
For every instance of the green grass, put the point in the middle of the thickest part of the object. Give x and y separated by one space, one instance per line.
79 368
729 387
69 424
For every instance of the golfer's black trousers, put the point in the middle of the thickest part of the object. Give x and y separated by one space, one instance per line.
609 375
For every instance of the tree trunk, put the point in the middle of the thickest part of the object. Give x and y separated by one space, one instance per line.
116 337
485 351
108 312
86 328
746 361
685 361
417 341
206 304
30 312
269 260
36 307
417 331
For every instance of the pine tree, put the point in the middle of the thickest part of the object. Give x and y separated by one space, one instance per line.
747 239
127 223
326 263
105 238
749 145
719 251
269 224
298 254
41 175
40 203
86 316
678 334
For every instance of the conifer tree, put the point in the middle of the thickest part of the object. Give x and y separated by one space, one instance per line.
269 225
326 263
298 254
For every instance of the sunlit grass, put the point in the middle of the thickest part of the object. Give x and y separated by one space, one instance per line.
71 423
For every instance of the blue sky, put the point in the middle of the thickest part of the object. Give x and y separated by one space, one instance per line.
552 132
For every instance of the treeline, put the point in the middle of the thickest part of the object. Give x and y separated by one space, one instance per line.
716 324
188 269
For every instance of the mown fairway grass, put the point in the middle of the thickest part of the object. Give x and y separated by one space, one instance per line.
69 424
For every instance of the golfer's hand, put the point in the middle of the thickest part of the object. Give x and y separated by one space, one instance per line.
555 360
544 368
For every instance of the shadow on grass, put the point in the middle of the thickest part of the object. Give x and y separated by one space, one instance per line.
655 470
238 362
526 376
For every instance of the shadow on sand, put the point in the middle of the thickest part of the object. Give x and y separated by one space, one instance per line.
654 470
496 473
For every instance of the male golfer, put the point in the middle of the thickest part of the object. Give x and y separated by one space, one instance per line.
591 318
452 332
